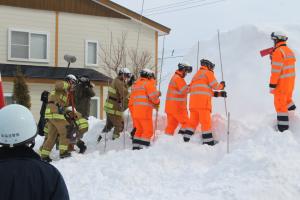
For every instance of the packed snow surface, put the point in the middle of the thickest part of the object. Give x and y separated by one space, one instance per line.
262 164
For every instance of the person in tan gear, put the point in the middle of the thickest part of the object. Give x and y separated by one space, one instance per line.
55 114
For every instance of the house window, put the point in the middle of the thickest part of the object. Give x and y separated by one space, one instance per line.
95 107
28 46
91 53
8 97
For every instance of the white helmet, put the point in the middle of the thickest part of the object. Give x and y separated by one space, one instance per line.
124 71
278 36
17 125
71 78
147 73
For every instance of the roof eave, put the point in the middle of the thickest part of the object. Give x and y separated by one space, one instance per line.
161 29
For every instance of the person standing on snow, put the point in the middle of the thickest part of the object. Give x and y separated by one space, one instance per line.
58 101
83 93
176 100
144 97
282 79
201 90
116 103
23 174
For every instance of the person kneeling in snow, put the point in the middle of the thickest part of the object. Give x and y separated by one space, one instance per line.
23 174
202 86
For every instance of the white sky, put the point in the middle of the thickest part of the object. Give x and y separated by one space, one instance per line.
202 22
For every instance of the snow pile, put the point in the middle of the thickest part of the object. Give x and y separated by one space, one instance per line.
245 72
262 164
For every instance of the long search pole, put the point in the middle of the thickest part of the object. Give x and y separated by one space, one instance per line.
159 84
225 103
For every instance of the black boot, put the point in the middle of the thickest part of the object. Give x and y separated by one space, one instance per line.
132 132
99 138
187 135
65 154
82 147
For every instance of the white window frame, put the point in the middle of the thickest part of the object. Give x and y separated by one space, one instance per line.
29 33
8 94
86 53
98 105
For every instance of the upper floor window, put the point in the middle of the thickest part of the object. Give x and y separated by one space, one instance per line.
28 46
91 53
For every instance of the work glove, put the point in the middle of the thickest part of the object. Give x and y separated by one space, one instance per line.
220 94
131 81
159 93
272 88
223 94
223 83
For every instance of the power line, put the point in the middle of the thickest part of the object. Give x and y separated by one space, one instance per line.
185 8
172 5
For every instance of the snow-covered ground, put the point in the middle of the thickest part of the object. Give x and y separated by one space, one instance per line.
262 164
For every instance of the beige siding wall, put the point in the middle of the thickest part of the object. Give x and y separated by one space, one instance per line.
35 90
27 19
76 29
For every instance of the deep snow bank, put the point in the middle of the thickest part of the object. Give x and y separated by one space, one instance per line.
262 164
245 72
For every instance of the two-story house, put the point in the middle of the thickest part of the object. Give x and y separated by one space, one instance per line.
36 34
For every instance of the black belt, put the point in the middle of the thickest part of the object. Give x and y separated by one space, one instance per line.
51 102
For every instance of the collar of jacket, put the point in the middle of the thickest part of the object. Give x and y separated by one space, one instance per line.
18 152
179 73
205 68
279 44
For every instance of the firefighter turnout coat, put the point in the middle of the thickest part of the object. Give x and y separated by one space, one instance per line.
116 103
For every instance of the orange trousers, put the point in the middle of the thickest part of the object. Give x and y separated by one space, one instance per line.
201 116
174 119
283 102
144 129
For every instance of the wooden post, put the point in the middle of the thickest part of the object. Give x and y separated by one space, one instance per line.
56 38
101 102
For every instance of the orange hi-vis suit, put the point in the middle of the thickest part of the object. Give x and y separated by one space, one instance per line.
282 82
144 97
201 91
176 104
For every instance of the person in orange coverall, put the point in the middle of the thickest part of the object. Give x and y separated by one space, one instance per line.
176 108
201 90
144 98
282 79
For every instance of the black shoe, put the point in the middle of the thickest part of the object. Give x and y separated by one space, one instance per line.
65 155
82 147
99 138
137 148
46 159
211 143
185 139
